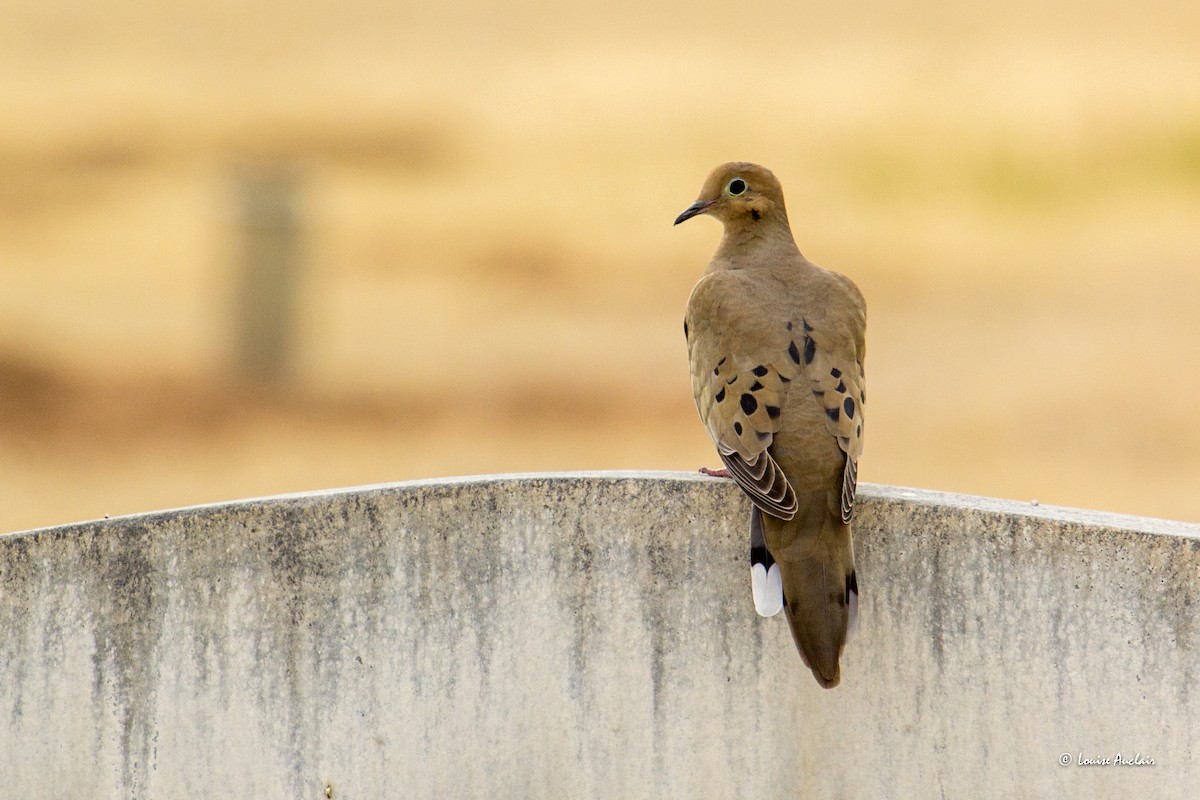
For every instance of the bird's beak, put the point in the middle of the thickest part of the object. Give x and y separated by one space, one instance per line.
698 207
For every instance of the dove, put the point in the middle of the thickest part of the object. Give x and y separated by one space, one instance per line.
776 346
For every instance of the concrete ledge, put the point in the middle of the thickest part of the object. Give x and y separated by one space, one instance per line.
590 635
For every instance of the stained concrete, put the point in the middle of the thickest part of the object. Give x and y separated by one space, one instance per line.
591 636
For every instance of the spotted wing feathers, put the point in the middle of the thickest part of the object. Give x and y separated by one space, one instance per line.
747 365
740 402
835 375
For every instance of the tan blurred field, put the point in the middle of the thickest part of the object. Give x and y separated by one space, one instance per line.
491 279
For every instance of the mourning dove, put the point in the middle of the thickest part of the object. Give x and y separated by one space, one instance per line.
776 349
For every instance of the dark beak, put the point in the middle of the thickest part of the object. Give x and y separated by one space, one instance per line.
698 207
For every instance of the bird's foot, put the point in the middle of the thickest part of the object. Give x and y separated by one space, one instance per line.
715 473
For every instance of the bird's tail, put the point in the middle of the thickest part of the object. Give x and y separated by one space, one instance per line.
815 554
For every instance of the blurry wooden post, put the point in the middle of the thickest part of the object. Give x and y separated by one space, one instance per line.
269 267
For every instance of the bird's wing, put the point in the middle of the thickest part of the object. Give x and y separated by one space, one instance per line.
830 349
740 371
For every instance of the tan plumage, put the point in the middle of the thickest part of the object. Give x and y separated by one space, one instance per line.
776 348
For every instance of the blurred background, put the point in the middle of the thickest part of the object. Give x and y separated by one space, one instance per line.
258 248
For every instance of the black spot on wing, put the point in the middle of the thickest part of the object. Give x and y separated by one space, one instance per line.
721 395
807 328
848 404
835 372
841 387
794 352
737 428
773 412
810 350
833 413
749 404
759 371
754 387
685 330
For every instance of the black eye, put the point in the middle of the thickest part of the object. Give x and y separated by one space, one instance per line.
736 186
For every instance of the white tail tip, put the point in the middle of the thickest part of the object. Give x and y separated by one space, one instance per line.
768 589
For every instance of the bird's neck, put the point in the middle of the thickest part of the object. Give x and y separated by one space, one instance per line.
748 244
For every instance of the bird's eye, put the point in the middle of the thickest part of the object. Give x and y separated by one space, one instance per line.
736 187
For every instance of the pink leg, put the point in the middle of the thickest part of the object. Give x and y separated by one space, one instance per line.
716 473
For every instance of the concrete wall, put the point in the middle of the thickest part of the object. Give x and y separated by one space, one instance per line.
591 636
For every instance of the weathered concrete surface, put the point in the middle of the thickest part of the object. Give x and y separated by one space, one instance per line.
580 636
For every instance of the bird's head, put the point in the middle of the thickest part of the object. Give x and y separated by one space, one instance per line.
739 194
